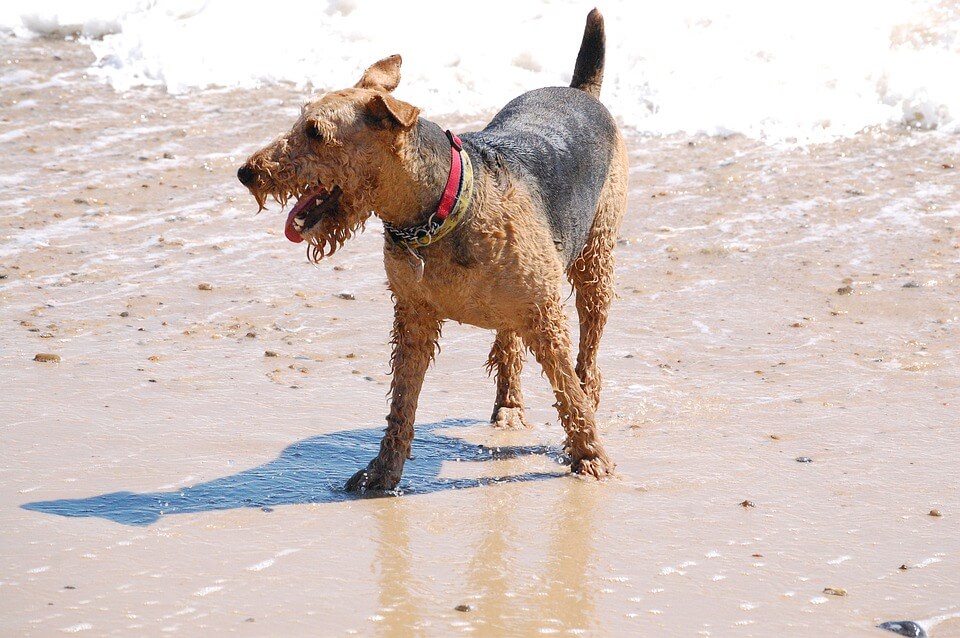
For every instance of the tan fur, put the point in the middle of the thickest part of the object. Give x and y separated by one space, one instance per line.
506 359
383 75
499 269
592 275
414 340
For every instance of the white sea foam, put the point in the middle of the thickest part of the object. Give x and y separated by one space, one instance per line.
811 70
262 565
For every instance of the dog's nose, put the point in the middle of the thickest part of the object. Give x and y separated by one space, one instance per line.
246 175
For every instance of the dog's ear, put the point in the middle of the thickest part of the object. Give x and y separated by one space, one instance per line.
389 109
382 76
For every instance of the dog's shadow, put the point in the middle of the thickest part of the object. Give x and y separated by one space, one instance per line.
313 470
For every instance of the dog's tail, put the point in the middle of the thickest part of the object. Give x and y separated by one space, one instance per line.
588 73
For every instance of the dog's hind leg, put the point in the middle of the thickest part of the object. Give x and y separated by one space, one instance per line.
415 334
592 277
506 361
548 337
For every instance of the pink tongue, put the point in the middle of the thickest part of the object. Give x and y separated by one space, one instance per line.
289 230
303 202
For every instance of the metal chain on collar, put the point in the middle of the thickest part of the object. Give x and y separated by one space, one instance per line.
453 205
417 235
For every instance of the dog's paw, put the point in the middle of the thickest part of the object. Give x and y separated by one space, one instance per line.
510 419
373 479
599 467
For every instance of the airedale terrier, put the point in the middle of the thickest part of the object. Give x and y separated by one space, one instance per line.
480 229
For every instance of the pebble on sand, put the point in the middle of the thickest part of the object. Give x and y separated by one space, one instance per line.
46 357
935 513
205 286
904 628
748 504
835 591
349 296
271 353
463 608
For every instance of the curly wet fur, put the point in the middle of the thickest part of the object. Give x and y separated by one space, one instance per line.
550 184
506 360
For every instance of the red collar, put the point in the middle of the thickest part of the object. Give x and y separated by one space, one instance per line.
452 189
450 208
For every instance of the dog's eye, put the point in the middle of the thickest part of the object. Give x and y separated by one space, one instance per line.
313 132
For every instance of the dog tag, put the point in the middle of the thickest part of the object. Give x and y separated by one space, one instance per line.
416 262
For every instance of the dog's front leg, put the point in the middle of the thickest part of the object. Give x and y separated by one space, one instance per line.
415 333
506 360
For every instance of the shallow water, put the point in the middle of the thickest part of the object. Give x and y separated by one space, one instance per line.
167 476
810 71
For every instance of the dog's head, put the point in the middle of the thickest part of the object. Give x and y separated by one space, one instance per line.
340 161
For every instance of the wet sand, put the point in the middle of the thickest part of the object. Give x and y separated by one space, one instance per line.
168 477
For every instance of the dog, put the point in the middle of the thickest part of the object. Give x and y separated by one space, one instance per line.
479 228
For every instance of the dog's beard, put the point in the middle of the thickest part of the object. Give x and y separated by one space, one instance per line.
332 232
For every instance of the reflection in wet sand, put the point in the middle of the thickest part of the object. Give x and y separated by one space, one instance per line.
572 562
402 602
507 578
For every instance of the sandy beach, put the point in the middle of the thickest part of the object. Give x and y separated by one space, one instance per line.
781 395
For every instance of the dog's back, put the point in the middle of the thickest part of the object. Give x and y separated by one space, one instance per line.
562 140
